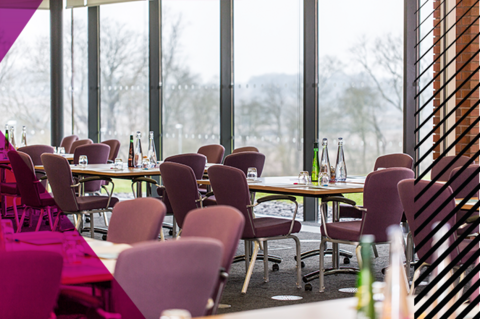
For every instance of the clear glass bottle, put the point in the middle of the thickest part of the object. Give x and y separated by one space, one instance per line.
152 155
325 161
315 164
340 166
23 142
138 150
366 304
12 137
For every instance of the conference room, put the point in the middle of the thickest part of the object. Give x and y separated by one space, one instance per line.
282 132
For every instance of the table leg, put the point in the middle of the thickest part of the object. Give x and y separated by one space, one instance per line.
336 218
139 190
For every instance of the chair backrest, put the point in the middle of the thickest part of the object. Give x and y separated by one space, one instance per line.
27 182
136 220
195 161
79 143
224 223
67 142
176 274
380 198
34 151
60 179
244 160
96 154
30 282
114 148
245 149
466 174
449 164
408 191
213 152
231 188
394 160
181 188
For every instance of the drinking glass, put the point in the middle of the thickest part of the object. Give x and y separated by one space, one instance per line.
83 161
146 163
118 163
252 174
61 150
54 150
303 178
175 314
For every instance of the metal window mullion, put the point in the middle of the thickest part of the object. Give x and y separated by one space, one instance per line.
94 73
155 74
56 72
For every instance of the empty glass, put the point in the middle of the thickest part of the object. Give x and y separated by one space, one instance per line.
54 150
61 150
83 161
118 163
303 178
252 174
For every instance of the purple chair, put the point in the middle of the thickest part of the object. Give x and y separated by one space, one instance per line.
471 172
35 151
246 159
31 190
79 143
224 224
442 170
393 160
97 154
213 152
114 149
136 220
60 179
230 187
30 282
67 142
245 149
381 208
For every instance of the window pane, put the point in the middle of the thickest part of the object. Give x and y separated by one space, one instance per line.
268 81
25 82
360 79
124 72
191 75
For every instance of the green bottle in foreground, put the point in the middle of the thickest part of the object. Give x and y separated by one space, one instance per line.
315 164
365 307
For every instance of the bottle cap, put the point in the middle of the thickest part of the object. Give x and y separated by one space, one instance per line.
315 145
367 239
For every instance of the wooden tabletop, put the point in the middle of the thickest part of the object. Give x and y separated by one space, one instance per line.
469 204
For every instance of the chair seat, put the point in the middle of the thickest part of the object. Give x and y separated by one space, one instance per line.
94 202
271 227
9 188
344 230
47 199
348 211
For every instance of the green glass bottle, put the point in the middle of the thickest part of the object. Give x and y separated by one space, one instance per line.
315 164
365 307
7 139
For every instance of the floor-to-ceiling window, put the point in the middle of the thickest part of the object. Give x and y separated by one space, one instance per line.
360 65
191 72
25 81
268 81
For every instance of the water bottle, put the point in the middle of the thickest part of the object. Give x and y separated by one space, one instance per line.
365 306
138 151
7 139
340 167
23 142
12 138
315 164
152 155
131 153
325 161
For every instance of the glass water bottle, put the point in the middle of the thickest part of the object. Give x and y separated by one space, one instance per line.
152 155
366 305
325 161
12 137
23 142
138 150
315 164
340 166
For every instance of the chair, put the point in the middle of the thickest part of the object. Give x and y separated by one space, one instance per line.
35 151
79 143
114 149
442 170
246 159
31 191
136 220
30 282
245 149
67 142
230 187
213 152
381 209
223 223
96 154
63 188
393 160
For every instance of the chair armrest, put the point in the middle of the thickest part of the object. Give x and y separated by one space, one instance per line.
110 162
3 166
95 178
43 178
37 171
339 199
144 179
276 197
223 273
472 219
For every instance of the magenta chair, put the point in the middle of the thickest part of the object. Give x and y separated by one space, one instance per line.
213 152
244 160
381 208
67 142
223 223
31 191
35 151
114 149
136 220
393 160
30 282
96 154
245 149
64 191
79 143
231 188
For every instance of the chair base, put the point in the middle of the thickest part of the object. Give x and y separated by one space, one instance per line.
272 258
329 251
330 271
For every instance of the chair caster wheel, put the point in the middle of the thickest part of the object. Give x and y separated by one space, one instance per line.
47 223
302 264
346 260
87 219
383 271
104 237
170 232
275 267
308 287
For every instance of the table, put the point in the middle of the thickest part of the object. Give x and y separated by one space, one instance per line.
87 269
469 204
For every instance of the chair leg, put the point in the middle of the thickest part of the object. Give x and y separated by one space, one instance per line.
49 215
416 274
57 220
248 249
78 219
321 269
375 251
40 219
174 227
265 261
105 218
250 267
359 256
299 262
92 227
